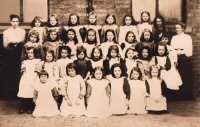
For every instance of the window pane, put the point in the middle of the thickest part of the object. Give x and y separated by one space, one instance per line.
8 7
32 8
171 9
143 5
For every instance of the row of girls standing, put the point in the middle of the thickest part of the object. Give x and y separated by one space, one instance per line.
135 50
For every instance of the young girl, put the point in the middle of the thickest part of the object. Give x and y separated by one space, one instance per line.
130 59
90 41
168 71
96 57
92 24
113 57
144 59
71 41
137 102
33 41
120 90
50 66
129 24
74 23
110 39
44 93
84 67
73 102
110 23
53 42
37 24
98 94
145 23
26 83
147 40
156 101
63 60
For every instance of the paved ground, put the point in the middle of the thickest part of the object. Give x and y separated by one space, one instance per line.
182 114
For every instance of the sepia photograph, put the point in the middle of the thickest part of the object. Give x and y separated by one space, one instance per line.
99 63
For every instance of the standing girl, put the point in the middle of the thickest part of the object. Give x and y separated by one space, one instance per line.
53 24
96 57
26 83
129 24
44 93
92 24
110 39
84 67
113 57
145 23
73 102
137 102
90 42
98 94
74 23
120 90
156 101
63 60
110 23
37 24
53 42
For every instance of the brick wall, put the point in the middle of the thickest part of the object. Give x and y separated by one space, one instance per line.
62 8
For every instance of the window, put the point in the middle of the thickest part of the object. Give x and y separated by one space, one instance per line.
27 9
172 10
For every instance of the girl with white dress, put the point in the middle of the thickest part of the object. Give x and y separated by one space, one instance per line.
120 90
156 101
45 92
137 102
98 95
28 77
75 89
96 57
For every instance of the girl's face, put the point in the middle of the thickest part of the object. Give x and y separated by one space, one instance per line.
154 72
71 35
165 40
92 19
110 36
135 75
49 57
53 35
53 21
147 36
110 20
130 37
98 74
33 38
91 35
159 22
113 54
145 17
81 56
128 21
37 23
74 19
96 53
30 54
64 53
179 29
130 54
117 72
161 50
43 78
14 22
71 72
145 53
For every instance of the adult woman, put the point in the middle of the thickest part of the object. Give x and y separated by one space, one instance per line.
182 43
13 39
